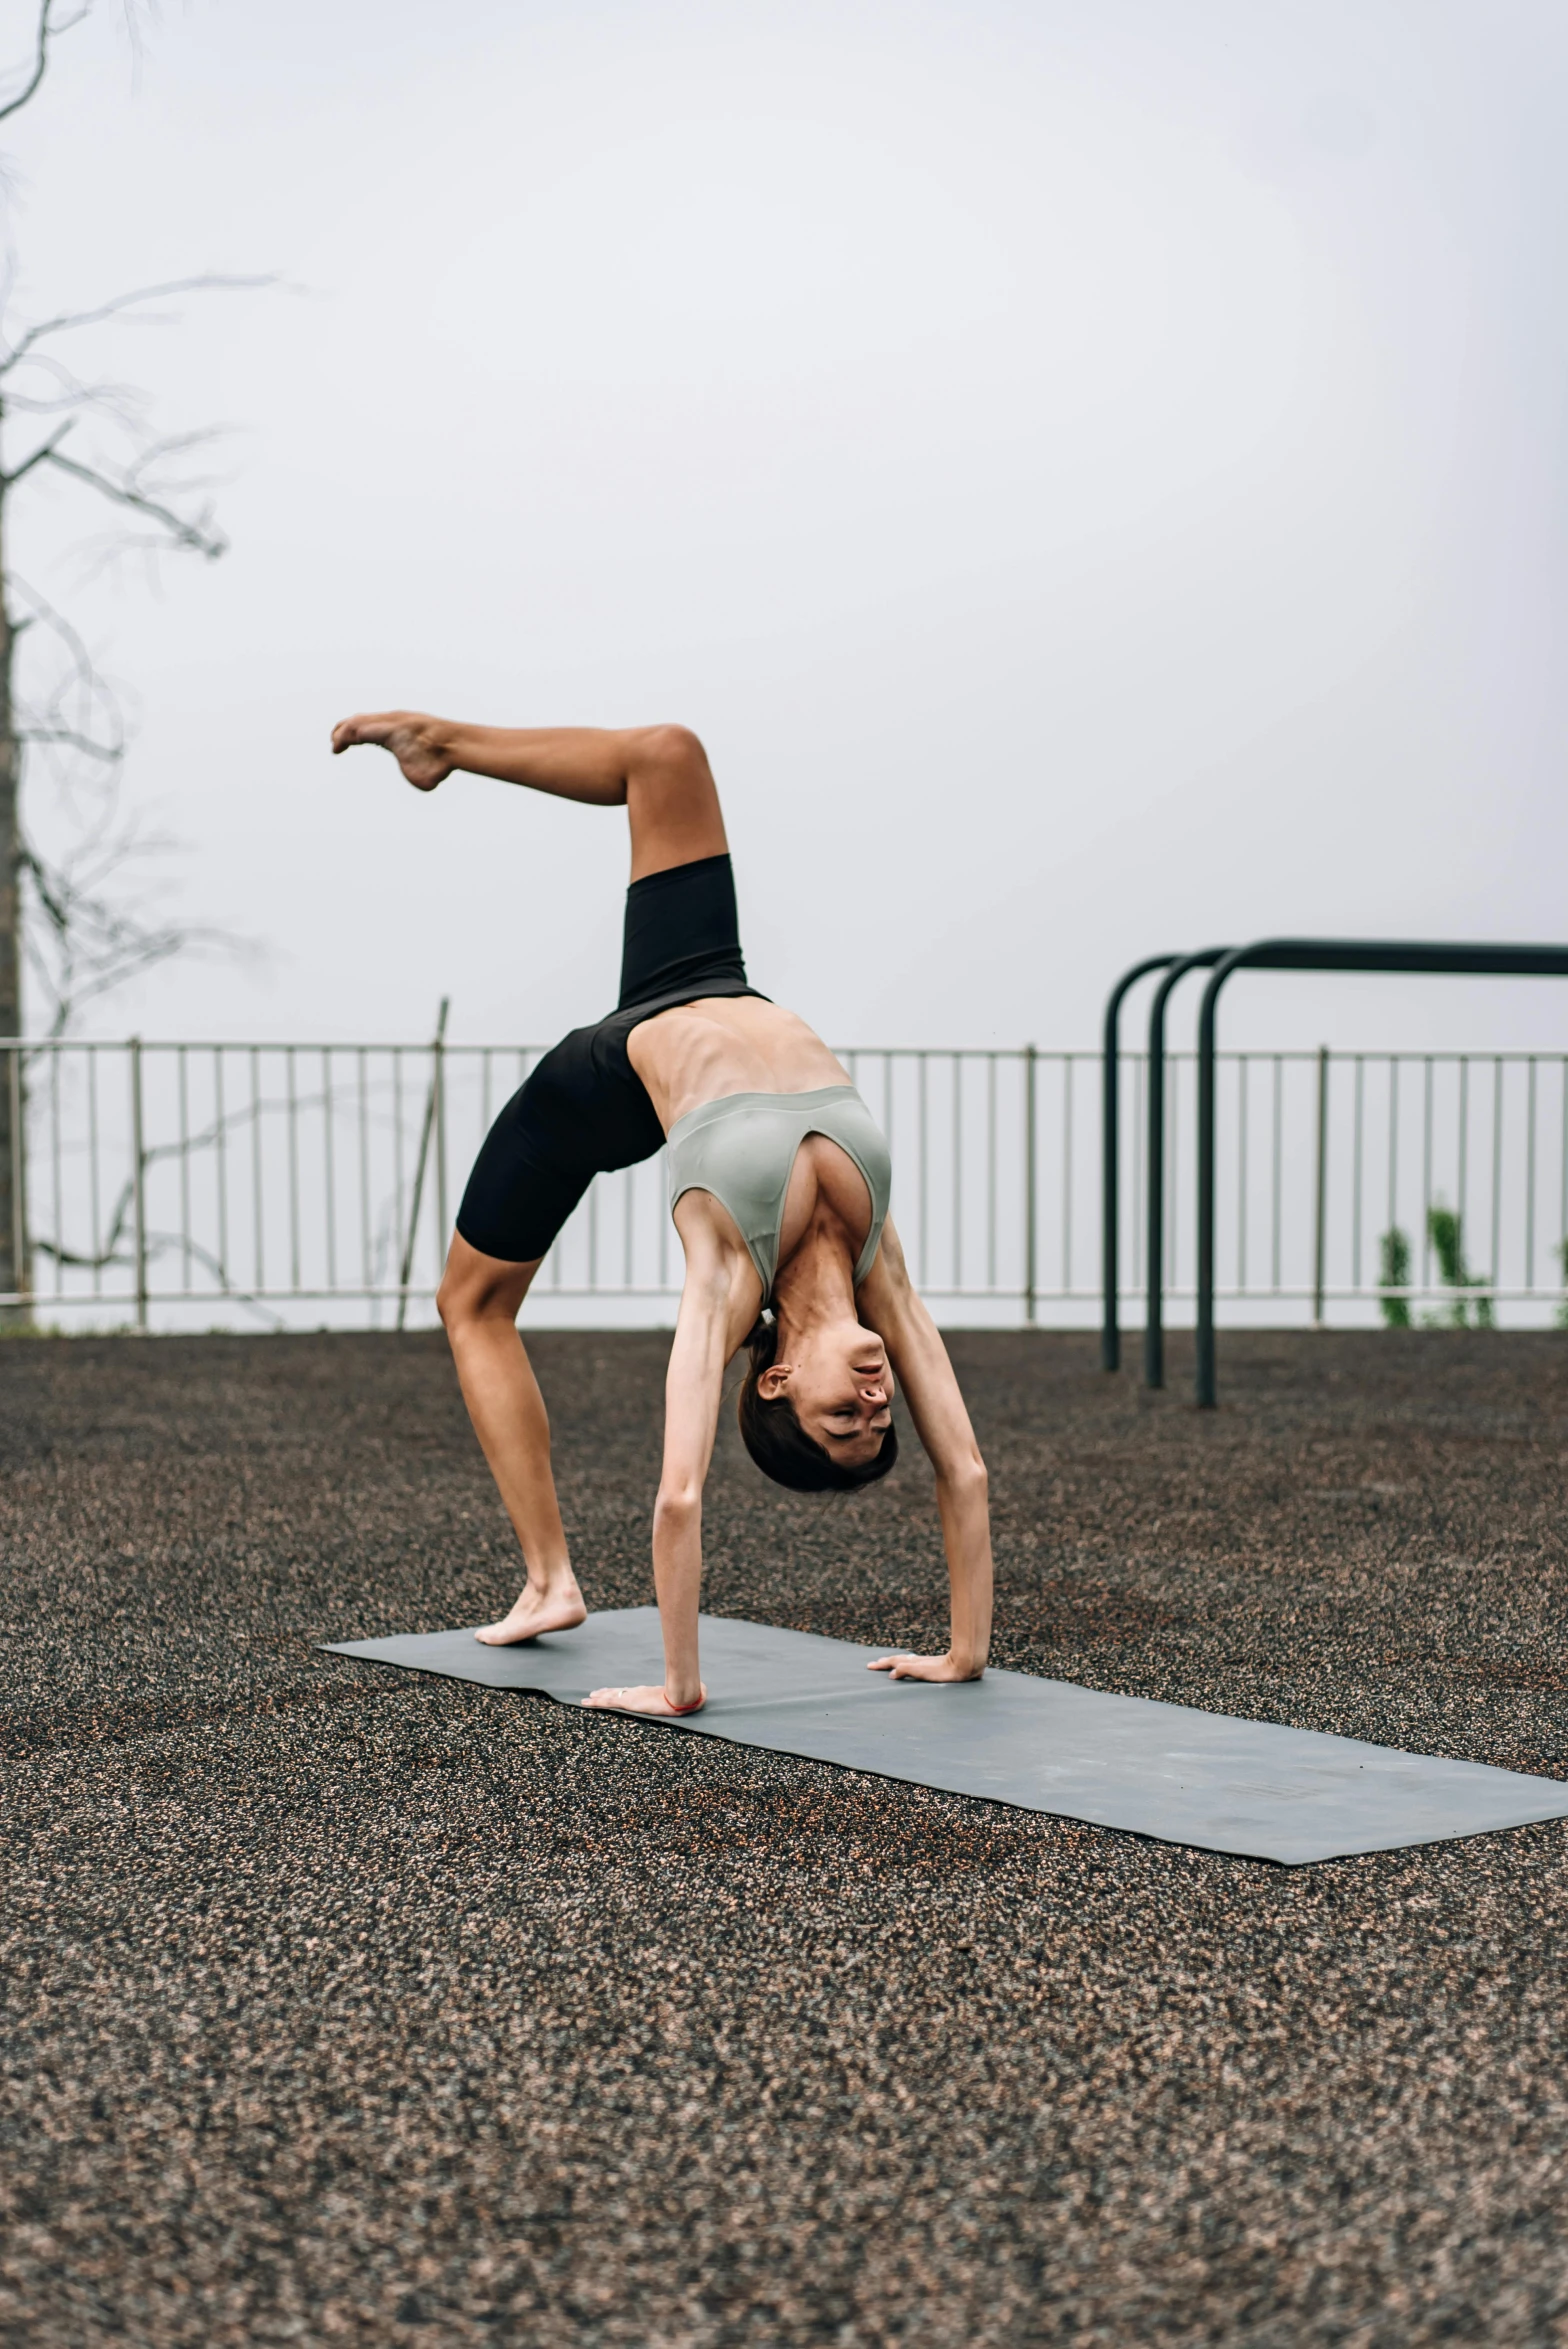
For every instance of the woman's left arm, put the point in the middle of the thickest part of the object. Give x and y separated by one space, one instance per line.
889 1303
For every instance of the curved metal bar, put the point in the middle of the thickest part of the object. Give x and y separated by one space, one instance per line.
1154 1253
1421 958
1110 1156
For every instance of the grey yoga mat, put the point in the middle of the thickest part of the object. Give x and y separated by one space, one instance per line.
1251 1787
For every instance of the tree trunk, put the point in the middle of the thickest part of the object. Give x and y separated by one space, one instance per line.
14 1261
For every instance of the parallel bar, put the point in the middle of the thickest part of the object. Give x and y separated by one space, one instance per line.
1320 954
1110 1159
1156 1203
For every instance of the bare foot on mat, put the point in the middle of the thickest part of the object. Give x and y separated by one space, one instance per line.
560 1608
651 1702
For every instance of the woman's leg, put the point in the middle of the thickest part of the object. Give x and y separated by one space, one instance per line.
479 1302
659 774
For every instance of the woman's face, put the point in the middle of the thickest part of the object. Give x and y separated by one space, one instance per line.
840 1383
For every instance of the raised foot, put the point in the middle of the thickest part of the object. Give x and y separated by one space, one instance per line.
652 1703
408 736
534 1613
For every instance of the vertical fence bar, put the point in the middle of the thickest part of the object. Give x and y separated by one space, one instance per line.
1464 1138
1140 1078
1067 1173
54 1155
925 1181
182 1082
1320 1194
221 1134
1496 1273
92 1172
397 1155
293 1138
367 1274
1426 1172
328 1168
1393 1143
958 1170
1243 1085
1278 1169
1031 1057
990 1171
138 1184
1562 1176
1172 1249
1529 1175
1357 1175
19 1263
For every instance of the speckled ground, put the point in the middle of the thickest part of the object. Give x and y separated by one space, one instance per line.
347 2006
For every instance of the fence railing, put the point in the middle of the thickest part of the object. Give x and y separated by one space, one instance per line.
186 1185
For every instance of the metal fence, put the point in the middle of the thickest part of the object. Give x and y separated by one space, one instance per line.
183 1185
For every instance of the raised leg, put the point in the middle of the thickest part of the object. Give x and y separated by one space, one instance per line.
479 1302
659 774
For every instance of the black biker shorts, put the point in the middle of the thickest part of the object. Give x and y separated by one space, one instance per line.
584 1110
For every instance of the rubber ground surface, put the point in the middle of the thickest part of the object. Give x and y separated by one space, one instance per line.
344 2005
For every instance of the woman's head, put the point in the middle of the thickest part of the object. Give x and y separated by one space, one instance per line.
817 1415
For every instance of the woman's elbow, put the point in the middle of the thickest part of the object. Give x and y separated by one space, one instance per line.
679 1504
967 1480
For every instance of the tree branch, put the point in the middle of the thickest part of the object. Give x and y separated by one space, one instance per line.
40 456
69 320
193 535
47 30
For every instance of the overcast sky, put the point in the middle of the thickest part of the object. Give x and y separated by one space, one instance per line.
1092 471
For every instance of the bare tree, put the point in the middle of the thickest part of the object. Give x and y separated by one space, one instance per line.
79 919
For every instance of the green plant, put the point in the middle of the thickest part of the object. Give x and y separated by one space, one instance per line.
1394 1273
1445 1229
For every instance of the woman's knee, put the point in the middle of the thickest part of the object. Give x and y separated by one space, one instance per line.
476 1288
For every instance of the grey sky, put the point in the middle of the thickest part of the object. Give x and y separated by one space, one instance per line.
1092 472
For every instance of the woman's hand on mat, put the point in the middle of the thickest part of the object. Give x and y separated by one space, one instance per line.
414 741
651 1701
946 1667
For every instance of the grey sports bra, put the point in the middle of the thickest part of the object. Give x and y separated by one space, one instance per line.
743 1146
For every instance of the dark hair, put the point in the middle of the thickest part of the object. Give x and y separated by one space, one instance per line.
780 1445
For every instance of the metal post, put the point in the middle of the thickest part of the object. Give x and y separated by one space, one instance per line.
138 1184
1110 1161
1154 1203
1320 1194
1030 1236
1203 1333
438 1082
20 1266
432 1103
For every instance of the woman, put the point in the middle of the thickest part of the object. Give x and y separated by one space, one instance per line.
779 1186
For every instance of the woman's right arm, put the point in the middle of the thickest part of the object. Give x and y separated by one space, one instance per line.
890 1303
718 1305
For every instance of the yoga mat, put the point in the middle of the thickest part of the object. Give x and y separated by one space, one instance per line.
1170 1771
